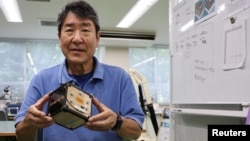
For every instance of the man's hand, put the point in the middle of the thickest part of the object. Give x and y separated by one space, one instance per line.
36 116
104 121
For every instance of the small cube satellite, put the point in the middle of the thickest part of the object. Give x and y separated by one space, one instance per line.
70 106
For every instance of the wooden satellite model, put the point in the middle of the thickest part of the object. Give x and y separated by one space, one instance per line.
69 106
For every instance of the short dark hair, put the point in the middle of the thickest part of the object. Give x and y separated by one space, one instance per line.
80 8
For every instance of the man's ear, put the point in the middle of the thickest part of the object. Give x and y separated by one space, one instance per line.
98 35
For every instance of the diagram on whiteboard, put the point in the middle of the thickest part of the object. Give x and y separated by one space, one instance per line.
204 9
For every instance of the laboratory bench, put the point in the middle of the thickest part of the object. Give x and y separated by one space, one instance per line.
7 131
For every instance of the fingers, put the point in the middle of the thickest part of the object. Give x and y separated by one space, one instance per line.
36 116
103 121
40 103
37 108
98 104
39 120
100 125
103 110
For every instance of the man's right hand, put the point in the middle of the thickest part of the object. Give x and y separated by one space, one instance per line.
36 116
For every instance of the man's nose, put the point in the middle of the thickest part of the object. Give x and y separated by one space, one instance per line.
77 38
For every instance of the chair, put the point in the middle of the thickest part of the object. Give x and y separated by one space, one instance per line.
3 115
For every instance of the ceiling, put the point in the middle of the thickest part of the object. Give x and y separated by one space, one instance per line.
154 21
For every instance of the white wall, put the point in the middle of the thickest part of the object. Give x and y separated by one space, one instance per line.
118 56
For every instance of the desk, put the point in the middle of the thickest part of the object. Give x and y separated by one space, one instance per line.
7 129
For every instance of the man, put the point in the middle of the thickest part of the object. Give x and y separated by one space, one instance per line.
116 113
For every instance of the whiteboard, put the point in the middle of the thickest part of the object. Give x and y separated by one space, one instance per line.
210 51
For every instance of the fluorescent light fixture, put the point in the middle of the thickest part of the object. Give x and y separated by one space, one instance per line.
11 10
31 62
136 12
30 59
34 69
143 62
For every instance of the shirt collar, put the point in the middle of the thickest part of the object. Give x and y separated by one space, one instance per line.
64 77
99 70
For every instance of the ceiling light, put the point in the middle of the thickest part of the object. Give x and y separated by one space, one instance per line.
30 58
143 62
136 12
11 10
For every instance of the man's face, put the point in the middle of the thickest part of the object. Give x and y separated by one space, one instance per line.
78 39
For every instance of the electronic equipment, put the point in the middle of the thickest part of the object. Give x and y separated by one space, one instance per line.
70 106
6 95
